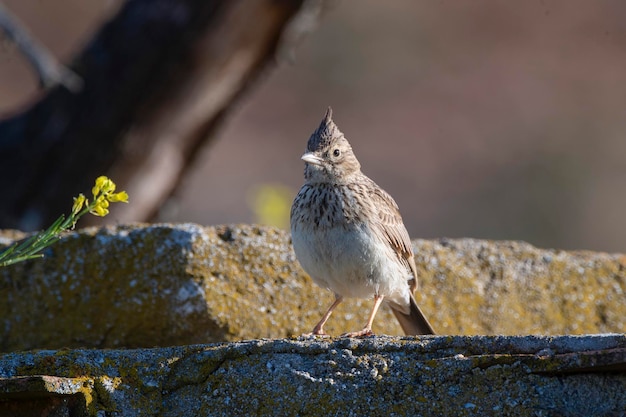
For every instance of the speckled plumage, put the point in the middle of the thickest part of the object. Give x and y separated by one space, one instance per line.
348 234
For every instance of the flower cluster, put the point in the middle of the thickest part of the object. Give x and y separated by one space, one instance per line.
103 194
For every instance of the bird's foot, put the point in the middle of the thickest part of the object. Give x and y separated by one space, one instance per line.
317 332
314 335
361 333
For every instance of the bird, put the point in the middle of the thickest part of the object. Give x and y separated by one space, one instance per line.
348 234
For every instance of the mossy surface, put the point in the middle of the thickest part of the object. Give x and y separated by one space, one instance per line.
164 284
434 375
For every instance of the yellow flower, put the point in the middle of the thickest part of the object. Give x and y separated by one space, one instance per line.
78 203
103 194
103 186
99 211
121 197
271 204
101 207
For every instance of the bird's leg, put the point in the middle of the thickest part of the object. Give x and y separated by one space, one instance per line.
367 330
318 330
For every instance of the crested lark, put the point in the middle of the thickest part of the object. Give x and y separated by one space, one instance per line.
348 234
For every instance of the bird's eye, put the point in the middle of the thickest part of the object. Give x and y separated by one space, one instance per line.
336 152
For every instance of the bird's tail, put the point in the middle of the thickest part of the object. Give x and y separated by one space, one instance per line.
414 323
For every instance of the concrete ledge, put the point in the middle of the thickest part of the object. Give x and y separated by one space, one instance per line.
435 376
138 286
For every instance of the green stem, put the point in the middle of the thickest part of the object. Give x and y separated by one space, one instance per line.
30 248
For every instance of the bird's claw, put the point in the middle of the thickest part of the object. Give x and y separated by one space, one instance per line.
361 333
314 334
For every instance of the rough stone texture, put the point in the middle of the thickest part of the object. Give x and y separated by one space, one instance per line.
376 376
507 287
161 285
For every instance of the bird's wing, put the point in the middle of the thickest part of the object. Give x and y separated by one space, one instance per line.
392 229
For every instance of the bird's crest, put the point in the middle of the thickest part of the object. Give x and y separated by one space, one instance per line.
325 133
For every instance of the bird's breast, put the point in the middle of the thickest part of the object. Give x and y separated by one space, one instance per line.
336 246
326 206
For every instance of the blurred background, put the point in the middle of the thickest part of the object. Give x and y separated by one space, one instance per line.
484 119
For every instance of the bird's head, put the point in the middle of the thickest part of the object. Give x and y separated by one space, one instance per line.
329 156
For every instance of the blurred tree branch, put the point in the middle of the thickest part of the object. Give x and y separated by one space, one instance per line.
49 71
157 80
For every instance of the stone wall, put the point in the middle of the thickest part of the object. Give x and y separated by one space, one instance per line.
162 285
375 376
157 296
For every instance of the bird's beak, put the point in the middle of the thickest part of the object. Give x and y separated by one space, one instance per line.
311 158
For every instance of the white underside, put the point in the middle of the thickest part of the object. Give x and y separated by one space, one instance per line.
352 263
